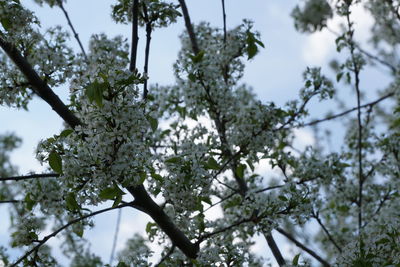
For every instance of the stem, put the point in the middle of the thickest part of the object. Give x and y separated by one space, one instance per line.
32 176
135 38
46 238
60 4
115 237
147 50
189 27
40 87
368 105
356 72
303 247
224 19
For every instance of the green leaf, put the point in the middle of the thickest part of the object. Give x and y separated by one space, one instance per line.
283 198
173 160
240 170
71 202
78 230
251 50
197 58
29 202
55 162
192 77
143 177
6 23
122 264
157 177
295 260
153 123
94 92
111 192
66 132
212 164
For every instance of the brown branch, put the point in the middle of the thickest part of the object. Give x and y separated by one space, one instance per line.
166 256
31 176
114 245
60 4
224 19
356 71
303 247
335 116
316 217
189 27
275 250
147 49
135 37
12 201
53 234
146 204
39 86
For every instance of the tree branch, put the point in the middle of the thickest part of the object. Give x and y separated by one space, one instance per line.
189 27
60 4
31 176
166 256
303 247
46 238
39 86
145 203
147 49
335 116
135 37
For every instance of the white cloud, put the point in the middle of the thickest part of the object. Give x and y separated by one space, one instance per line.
319 46
303 138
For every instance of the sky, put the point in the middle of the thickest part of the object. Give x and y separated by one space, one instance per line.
275 75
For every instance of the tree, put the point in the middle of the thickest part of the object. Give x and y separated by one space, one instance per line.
112 147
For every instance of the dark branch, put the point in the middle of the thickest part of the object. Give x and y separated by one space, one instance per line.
146 204
189 27
46 238
147 49
224 19
275 250
335 116
60 4
303 247
115 237
316 216
31 176
39 86
166 256
135 37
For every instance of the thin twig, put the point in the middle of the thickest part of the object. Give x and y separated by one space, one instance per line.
335 116
60 4
356 71
147 49
135 37
303 247
31 176
189 27
316 217
224 19
114 245
10 201
166 256
53 234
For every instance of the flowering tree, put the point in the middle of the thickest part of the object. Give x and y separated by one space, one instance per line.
112 147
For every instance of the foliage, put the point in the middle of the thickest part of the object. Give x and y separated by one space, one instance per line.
215 132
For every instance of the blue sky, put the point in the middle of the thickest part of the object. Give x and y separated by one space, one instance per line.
275 75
